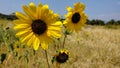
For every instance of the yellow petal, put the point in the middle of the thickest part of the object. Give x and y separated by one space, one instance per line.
21 16
36 43
45 7
84 16
44 12
61 51
18 21
52 28
50 17
21 26
40 5
46 38
65 22
21 33
77 29
29 12
24 31
56 24
55 29
28 36
79 6
44 46
33 7
54 34
70 26
30 41
39 10
56 16
69 8
69 15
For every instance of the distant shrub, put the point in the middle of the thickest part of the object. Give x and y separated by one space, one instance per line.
101 22
118 22
8 17
113 22
95 22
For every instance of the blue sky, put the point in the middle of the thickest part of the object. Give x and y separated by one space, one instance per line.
95 9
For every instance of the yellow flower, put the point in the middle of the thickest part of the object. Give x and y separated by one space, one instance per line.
16 46
63 56
64 51
37 26
87 34
75 18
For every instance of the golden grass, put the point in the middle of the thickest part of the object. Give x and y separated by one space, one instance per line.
92 47
98 48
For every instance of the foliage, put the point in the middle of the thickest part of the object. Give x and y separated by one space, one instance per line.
113 22
8 17
95 22
101 22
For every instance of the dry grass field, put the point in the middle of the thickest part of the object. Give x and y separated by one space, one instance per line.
92 47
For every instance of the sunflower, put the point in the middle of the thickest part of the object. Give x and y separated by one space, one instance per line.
62 56
37 26
75 18
16 46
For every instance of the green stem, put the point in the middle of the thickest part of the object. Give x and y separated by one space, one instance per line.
64 40
47 59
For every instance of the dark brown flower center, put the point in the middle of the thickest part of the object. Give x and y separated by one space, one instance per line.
76 17
39 26
62 57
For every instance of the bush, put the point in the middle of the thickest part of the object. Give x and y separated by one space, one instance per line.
95 22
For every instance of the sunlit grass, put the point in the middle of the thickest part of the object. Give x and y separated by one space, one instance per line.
92 47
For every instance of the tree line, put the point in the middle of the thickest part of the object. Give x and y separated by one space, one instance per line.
101 22
8 17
